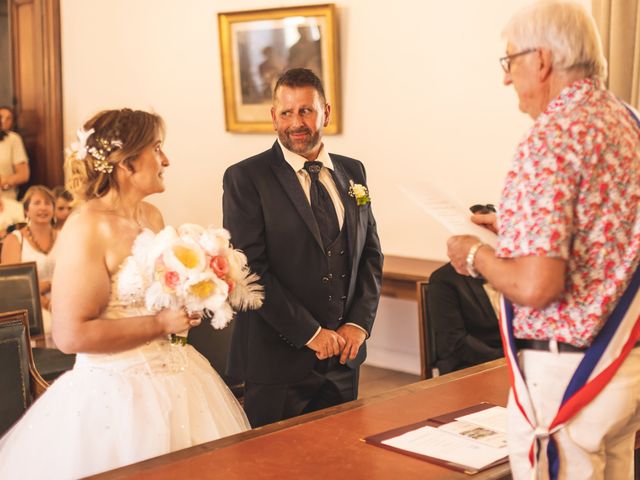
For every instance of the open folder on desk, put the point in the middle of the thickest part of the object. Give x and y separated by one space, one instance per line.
467 440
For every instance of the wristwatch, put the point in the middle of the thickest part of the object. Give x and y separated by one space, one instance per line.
471 256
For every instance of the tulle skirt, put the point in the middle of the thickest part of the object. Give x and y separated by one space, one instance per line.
114 410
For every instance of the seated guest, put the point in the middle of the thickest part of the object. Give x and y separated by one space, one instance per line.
11 212
34 242
464 319
64 201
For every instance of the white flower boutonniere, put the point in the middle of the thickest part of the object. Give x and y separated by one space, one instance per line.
360 193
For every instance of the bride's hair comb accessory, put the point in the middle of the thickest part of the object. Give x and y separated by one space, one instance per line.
99 153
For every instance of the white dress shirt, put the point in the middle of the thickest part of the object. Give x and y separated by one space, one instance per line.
297 163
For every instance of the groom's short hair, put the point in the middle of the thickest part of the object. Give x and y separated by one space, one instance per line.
300 77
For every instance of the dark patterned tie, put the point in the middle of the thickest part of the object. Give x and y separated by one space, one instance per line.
322 206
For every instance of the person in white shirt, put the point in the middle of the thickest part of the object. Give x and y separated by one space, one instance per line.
11 212
14 163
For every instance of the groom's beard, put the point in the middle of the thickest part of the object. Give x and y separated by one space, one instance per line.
301 147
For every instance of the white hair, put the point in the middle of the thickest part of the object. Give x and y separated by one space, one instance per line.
564 28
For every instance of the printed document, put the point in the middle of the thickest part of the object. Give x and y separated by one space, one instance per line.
450 447
445 211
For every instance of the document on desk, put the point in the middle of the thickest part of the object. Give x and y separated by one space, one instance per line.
494 418
454 439
446 212
449 446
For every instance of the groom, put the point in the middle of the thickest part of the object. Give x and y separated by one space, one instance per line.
313 241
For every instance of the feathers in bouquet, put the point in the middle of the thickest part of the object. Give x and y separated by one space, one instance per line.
247 293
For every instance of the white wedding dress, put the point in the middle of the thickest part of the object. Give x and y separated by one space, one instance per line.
116 409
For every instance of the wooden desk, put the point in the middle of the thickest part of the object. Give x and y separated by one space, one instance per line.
327 444
400 275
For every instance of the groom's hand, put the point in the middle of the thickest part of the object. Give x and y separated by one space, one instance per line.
327 344
354 338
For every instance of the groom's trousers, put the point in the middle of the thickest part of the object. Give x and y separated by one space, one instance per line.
328 384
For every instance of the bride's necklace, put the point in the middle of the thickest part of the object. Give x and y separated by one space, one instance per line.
37 244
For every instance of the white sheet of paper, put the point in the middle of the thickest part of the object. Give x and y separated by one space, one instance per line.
450 447
487 436
451 216
494 418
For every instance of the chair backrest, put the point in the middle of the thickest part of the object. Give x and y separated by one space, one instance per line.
19 290
20 382
427 334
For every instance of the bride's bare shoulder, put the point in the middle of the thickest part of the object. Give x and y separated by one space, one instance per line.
152 216
88 220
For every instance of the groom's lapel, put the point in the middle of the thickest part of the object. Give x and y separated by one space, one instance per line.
291 185
341 180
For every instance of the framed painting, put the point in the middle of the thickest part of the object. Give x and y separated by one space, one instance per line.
257 46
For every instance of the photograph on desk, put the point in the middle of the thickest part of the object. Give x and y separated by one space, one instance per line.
468 440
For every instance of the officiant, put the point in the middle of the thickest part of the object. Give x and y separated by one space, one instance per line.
303 216
567 255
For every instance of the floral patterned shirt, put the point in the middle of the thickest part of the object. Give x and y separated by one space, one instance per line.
573 192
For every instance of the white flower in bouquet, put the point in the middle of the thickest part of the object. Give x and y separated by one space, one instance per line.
196 268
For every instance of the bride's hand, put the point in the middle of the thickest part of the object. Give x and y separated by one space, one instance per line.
176 320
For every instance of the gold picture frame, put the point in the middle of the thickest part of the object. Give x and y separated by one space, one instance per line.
257 46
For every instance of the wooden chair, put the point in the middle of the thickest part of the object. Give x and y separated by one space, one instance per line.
214 346
427 334
20 382
19 287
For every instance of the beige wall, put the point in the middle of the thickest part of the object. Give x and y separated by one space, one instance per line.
422 95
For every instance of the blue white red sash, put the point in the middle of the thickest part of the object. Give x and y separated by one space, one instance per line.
600 363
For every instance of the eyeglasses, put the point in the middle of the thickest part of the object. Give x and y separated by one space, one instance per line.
505 61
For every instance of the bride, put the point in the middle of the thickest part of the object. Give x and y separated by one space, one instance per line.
132 394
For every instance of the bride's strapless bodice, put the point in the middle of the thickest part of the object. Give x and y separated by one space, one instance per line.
126 300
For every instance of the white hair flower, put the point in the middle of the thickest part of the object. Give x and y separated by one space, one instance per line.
80 147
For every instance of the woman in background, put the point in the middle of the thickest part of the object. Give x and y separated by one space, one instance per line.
14 163
34 243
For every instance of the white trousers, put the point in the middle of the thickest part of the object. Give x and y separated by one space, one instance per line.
598 442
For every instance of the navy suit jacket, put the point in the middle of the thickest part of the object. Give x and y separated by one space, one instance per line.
465 324
270 219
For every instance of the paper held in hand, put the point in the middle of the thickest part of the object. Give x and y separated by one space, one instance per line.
451 216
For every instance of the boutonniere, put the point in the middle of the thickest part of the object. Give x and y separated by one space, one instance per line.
360 193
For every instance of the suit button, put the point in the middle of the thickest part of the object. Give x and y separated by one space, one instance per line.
325 279
341 252
339 319
330 298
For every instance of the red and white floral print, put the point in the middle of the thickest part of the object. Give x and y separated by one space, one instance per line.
573 192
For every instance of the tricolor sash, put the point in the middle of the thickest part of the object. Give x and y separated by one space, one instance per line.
601 361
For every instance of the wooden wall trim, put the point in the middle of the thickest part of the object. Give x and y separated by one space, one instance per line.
53 94
37 80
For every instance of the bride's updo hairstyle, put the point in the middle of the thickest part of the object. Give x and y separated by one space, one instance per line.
109 138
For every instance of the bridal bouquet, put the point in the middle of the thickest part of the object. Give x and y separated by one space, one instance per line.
197 268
